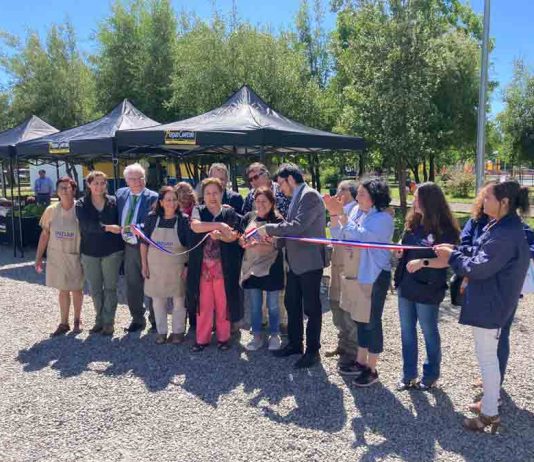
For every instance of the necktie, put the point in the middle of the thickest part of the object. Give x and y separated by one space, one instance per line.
133 204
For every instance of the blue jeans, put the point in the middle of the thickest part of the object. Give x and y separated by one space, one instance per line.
256 316
410 312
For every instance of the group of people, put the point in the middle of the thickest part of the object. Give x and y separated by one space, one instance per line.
216 256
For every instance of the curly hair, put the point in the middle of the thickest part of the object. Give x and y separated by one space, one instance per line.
379 192
186 193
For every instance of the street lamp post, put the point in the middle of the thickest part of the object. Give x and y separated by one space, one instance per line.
481 124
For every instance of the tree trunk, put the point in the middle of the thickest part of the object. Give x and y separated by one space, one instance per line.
361 164
318 172
401 172
425 171
415 171
432 168
312 169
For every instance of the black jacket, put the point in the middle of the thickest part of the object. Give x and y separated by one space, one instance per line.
231 254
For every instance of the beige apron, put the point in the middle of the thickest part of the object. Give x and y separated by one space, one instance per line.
166 270
355 297
257 260
63 264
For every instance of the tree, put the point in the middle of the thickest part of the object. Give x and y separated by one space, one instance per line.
135 56
51 81
407 71
517 119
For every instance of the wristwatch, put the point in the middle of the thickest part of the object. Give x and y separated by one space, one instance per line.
426 262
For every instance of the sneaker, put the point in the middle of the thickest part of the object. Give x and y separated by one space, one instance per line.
351 370
255 344
366 378
406 385
275 342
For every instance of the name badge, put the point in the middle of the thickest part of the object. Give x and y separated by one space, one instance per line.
64 235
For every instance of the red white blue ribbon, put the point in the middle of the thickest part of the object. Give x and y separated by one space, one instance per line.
137 231
254 233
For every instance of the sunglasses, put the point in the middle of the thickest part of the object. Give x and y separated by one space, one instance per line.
255 177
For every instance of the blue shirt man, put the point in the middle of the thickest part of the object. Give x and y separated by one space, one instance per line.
43 188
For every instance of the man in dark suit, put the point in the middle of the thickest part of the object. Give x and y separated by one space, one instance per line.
306 218
134 202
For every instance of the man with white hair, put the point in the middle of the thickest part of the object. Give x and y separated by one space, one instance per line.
134 202
230 197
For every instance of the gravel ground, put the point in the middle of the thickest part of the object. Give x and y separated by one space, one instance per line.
94 398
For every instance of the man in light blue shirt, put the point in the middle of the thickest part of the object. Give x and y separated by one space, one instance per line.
43 188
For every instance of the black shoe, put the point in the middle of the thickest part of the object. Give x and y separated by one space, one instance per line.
352 370
366 378
424 386
153 328
135 327
308 360
406 385
288 350
95 329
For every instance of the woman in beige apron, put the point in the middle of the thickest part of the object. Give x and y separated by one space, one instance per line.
163 272
366 274
262 270
60 237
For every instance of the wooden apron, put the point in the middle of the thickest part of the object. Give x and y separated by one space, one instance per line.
63 263
257 261
355 298
166 270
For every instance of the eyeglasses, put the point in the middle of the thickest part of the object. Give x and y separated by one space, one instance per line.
136 178
255 177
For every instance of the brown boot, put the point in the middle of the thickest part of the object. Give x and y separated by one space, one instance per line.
108 330
479 424
62 329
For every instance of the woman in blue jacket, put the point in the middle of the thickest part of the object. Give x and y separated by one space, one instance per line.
472 230
495 268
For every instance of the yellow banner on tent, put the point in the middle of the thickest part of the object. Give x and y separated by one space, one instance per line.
59 148
180 137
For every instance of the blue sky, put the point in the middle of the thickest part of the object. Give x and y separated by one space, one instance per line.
511 24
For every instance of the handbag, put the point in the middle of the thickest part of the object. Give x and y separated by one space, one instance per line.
455 286
528 285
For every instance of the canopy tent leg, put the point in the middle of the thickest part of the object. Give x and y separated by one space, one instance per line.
11 175
20 211
4 186
57 170
115 164
233 169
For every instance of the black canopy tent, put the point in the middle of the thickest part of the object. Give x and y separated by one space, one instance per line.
89 141
31 128
244 124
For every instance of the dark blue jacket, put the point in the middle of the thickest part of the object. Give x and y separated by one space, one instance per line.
495 265
473 230
148 198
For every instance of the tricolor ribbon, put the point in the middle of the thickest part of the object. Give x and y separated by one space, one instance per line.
137 231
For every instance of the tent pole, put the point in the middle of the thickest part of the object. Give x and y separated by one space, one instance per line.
57 170
4 186
115 163
20 209
234 170
12 177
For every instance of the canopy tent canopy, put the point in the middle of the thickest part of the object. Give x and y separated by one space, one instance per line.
31 128
244 124
89 141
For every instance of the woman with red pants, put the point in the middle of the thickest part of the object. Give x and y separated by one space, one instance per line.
214 268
